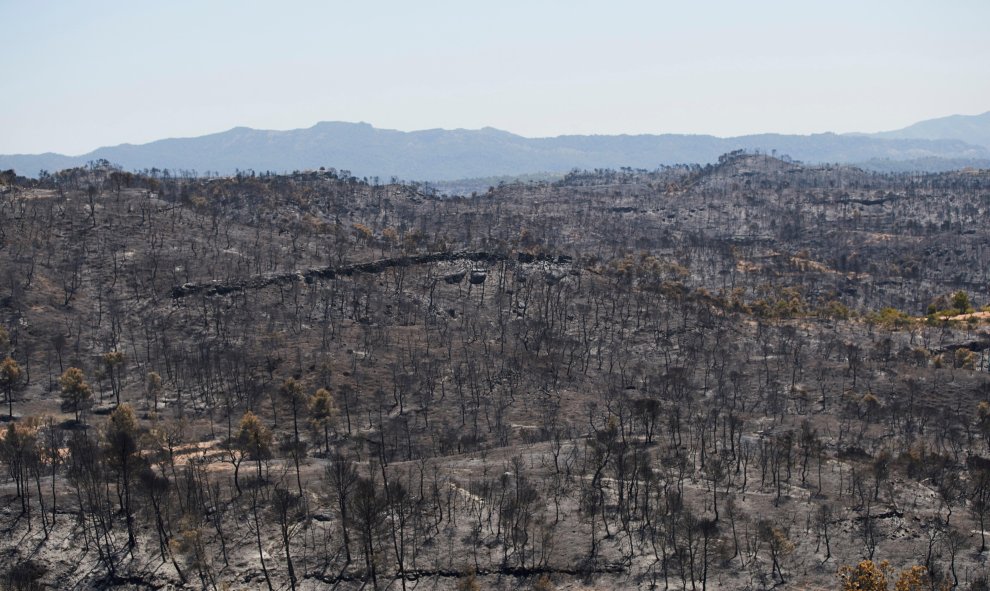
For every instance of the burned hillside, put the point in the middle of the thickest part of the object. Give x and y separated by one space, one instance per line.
737 375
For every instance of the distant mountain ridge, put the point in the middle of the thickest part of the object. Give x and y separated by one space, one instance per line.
438 154
972 129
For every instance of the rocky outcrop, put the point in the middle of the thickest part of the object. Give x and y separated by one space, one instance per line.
477 276
454 278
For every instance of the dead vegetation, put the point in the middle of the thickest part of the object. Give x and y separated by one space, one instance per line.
683 378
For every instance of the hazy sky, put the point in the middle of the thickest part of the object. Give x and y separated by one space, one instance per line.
78 75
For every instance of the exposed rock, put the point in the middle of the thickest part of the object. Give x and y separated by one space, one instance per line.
454 278
261 281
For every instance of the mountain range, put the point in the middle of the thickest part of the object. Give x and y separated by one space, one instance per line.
438 154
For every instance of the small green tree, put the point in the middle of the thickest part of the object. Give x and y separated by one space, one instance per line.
960 302
76 393
10 379
254 439
964 358
153 386
323 413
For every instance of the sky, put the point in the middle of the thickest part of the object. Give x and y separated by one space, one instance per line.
80 75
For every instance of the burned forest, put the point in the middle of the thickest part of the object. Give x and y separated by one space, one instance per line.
752 374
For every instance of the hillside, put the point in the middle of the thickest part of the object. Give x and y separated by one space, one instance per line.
436 155
972 129
738 376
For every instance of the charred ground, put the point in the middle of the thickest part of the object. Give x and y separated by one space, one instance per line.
731 376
